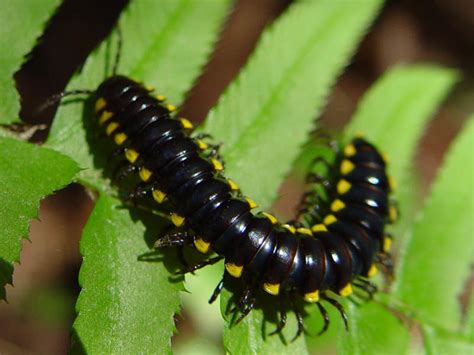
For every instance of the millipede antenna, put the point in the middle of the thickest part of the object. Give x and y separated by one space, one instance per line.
55 98
119 50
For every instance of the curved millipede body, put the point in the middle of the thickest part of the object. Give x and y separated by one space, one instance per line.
330 251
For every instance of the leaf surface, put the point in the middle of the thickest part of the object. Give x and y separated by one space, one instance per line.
28 173
439 253
21 23
125 305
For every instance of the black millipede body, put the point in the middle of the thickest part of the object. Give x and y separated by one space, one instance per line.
328 251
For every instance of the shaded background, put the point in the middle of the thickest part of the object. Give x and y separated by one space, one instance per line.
40 311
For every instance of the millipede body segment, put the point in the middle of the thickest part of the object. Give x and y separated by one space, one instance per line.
325 251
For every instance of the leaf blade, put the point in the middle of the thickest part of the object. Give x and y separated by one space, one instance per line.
18 34
258 112
35 173
119 293
445 262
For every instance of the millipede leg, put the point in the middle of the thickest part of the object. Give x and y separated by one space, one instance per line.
125 171
118 152
173 240
325 315
182 258
203 136
340 308
217 290
282 321
247 309
139 192
200 265
299 318
368 287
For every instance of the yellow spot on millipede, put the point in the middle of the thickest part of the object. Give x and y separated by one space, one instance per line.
346 290
289 228
350 150
234 270
272 289
330 218
304 231
105 116
312 297
158 196
346 167
131 155
337 205
177 220
387 244
145 174
100 104
186 123
372 271
111 128
217 165
270 217
343 186
201 144
119 138
202 246
252 204
319 228
392 214
233 185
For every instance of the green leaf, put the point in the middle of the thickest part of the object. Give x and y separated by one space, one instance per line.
438 255
440 342
165 44
21 23
399 104
373 331
126 306
27 174
265 115
395 111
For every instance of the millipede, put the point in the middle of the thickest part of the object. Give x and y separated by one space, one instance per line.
334 246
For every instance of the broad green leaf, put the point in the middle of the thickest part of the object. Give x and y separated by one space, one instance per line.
440 342
126 306
266 114
21 23
27 174
399 104
373 330
438 256
165 44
